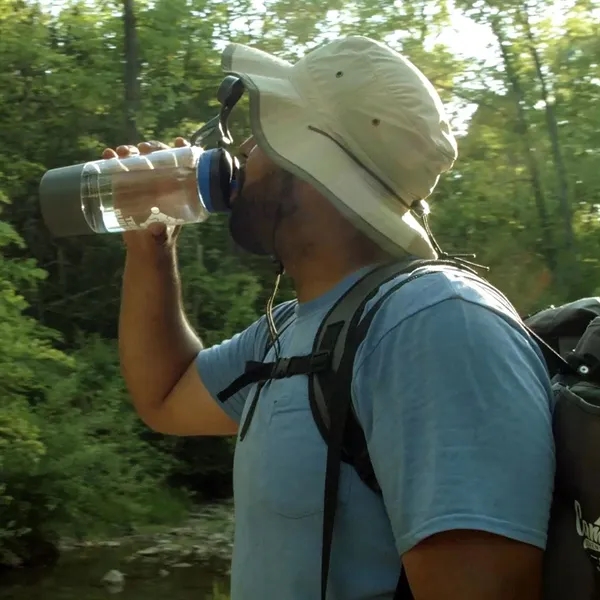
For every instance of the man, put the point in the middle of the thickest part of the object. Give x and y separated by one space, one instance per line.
452 394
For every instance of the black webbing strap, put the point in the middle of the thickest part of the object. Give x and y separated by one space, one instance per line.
251 408
403 591
254 373
338 415
259 372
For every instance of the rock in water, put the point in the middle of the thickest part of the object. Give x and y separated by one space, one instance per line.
152 551
114 578
10 560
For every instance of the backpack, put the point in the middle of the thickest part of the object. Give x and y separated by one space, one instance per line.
569 338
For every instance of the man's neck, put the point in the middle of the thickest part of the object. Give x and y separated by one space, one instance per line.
322 250
315 278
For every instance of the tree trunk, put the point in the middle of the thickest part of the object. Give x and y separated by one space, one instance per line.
131 79
552 124
548 247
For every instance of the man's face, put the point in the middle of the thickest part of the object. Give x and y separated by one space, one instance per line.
259 207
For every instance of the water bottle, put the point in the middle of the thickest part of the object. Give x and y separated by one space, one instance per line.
174 186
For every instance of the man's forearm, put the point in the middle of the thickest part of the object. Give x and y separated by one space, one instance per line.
156 343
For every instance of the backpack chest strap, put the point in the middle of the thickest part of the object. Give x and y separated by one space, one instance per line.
260 372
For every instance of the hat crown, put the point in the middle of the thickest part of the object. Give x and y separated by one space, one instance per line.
379 106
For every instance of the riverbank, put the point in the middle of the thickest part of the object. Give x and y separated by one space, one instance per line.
190 561
205 538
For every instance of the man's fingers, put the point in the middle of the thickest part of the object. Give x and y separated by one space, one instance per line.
151 146
124 151
159 231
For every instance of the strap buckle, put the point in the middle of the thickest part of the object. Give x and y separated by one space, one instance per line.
281 368
320 361
300 365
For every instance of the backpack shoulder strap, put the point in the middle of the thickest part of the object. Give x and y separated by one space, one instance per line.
339 336
330 392
342 319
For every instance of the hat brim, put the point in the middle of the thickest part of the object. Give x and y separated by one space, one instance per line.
284 127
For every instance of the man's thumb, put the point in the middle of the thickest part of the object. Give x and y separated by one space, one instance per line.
158 230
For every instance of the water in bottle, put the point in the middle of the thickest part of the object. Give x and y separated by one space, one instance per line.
120 194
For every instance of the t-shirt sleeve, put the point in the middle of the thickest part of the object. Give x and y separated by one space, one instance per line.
456 407
219 365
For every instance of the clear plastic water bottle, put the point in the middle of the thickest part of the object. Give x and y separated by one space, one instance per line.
120 194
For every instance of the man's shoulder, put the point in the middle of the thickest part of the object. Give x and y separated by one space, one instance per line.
444 304
445 315
400 299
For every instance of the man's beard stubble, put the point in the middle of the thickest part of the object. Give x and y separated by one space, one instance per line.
258 210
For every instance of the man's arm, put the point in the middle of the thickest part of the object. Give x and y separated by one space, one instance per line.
466 564
456 408
158 349
161 356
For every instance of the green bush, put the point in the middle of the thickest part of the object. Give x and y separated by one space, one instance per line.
20 452
74 465
106 477
72 461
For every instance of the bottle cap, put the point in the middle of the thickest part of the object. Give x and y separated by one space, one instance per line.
61 202
214 173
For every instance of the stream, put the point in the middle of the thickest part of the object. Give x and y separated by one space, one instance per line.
79 576
189 562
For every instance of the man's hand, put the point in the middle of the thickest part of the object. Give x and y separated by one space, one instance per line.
473 565
157 346
157 236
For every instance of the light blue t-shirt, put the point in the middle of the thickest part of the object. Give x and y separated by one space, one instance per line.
455 402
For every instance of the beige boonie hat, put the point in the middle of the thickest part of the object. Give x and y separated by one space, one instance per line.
359 122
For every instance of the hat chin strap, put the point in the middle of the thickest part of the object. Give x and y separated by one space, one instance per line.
273 333
420 209
279 271
279 268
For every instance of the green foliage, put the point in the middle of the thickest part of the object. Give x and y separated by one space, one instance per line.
99 472
524 195
71 458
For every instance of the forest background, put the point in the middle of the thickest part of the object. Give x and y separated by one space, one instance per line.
521 80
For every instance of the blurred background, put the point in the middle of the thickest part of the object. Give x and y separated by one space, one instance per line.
82 482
